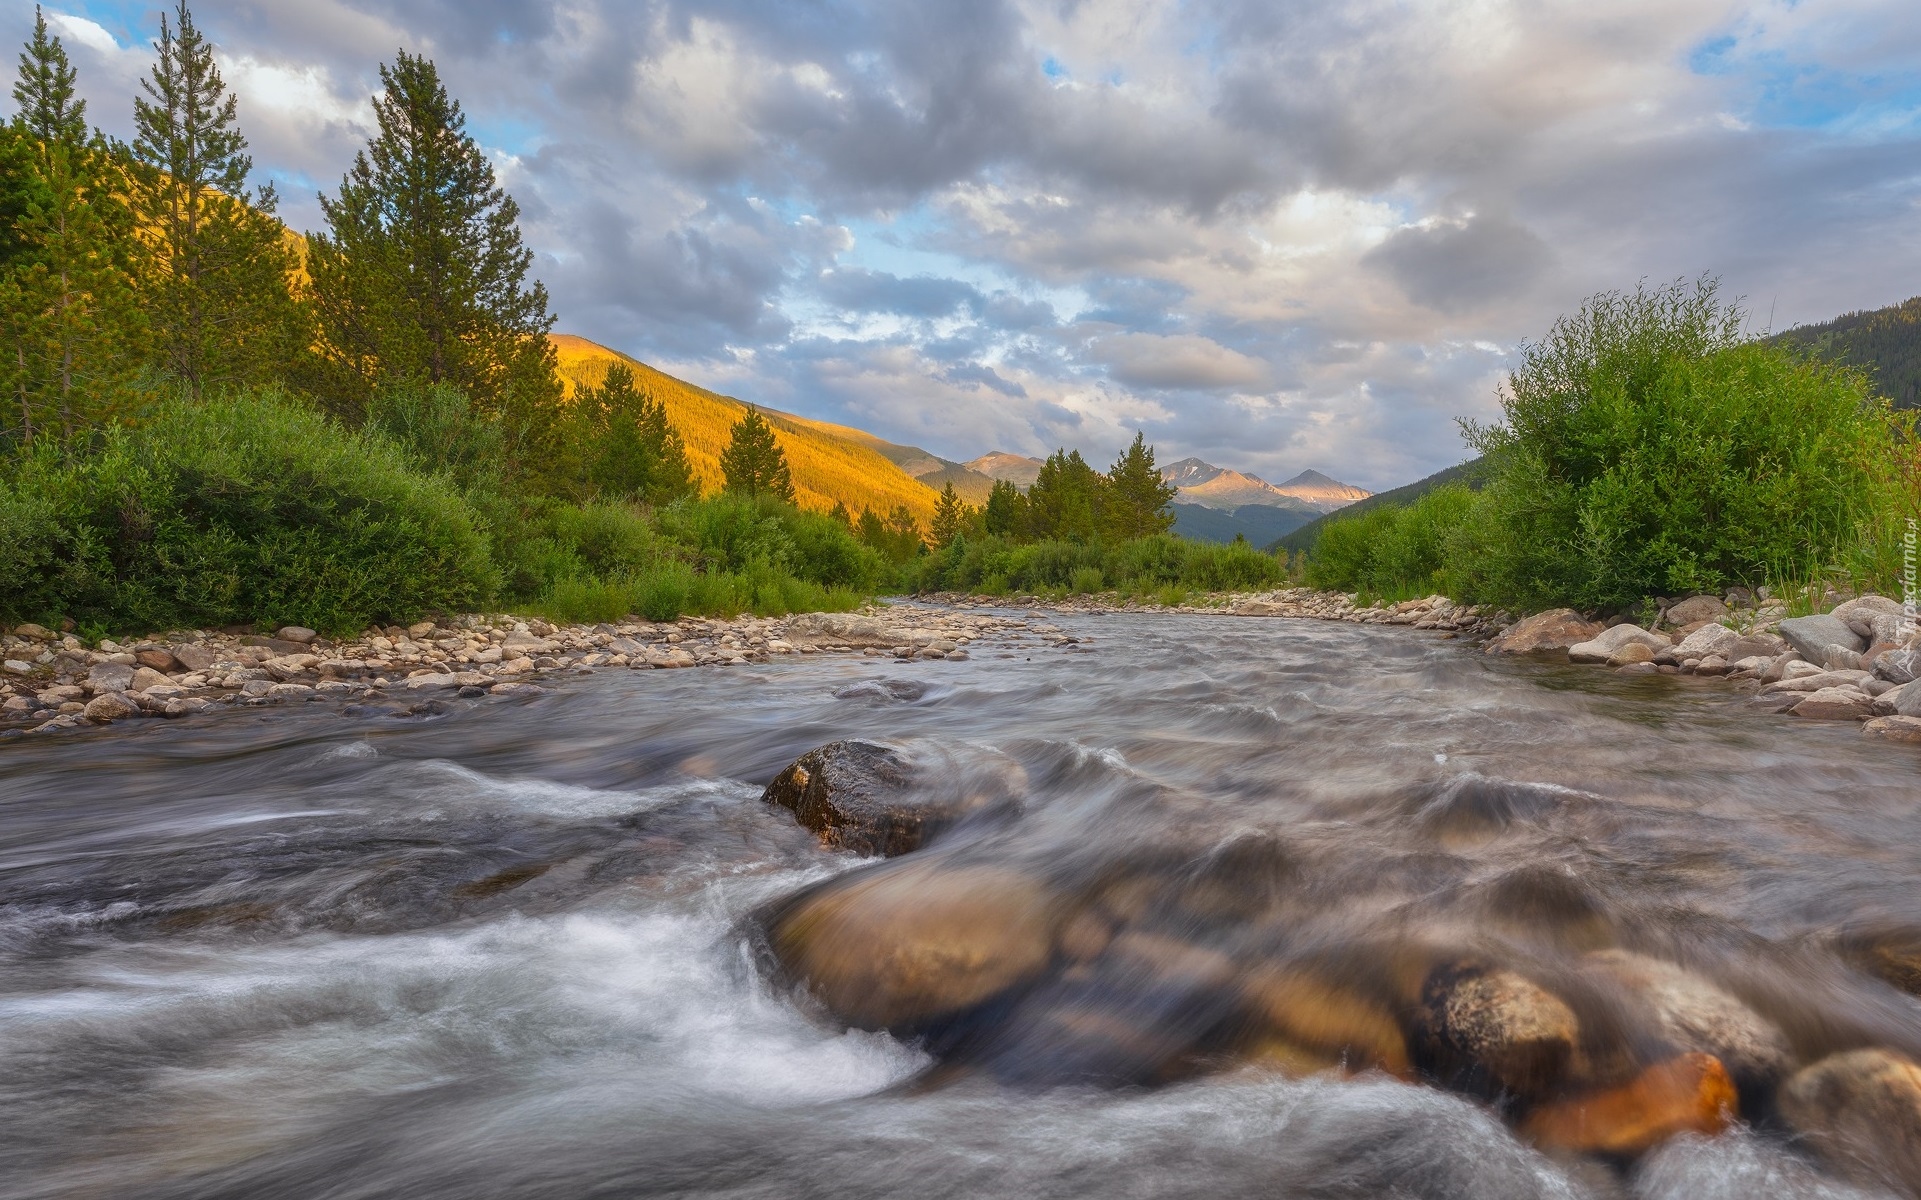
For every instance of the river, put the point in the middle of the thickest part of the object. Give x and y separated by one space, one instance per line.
500 951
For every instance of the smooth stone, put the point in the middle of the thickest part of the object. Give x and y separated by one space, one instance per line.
1899 666
1693 1013
145 678
1707 640
431 681
1862 1111
1556 629
33 632
14 666
110 706
1696 609
1835 704
279 646
1628 655
1813 636
1898 729
1490 1026
1906 702
156 659
1600 647
291 691
1688 1094
848 628
904 944
109 677
1293 1010
296 633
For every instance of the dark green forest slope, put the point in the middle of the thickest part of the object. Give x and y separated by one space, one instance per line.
1885 342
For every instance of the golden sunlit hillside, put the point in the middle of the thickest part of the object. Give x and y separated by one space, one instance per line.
829 462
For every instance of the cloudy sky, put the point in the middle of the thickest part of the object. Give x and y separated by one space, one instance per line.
1273 234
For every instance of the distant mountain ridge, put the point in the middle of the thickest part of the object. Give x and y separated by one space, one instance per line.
999 465
1884 342
1221 488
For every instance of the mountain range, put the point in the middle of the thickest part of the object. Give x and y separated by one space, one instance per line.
833 462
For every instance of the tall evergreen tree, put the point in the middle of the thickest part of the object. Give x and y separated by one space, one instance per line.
218 295
49 111
67 304
753 464
421 273
1064 502
1005 513
950 517
635 451
1136 495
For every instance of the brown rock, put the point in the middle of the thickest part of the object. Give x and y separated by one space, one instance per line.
1487 1026
1633 652
1835 704
195 658
1899 729
156 659
1862 1111
147 677
1689 1094
1301 1019
38 633
1696 609
874 799
1556 629
110 706
279 646
1692 1013
900 945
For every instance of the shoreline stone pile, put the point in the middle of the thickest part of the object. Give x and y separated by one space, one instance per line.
52 680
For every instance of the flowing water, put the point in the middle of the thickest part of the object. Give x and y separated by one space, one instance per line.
505 950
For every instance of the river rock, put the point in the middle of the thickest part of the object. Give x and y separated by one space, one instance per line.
1750 645
1688 1094
296 633
1484 1026
1629 655
875 799
1556 629
147 677
1814 636
850 629
1692 1013
1600 647
1835 704
195 658
110 706
431 681
1899 666
1904 701
1695 609
32 632
279 646
902 945
1862 1110
109 677
1705 641
1896 729
1302 1023
156 659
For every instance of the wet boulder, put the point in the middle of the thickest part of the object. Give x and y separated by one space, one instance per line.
1693 1014
1491 1030
1862 1111
1896 729
1303 1021
1688 1094
902 946
885 800
845 629
1556 629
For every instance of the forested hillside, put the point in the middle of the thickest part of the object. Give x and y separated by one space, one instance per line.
1884 342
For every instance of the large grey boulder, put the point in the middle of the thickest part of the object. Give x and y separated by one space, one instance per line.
109 677
1815 636
1907 701
1709 639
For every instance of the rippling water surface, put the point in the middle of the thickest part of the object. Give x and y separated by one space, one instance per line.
500 951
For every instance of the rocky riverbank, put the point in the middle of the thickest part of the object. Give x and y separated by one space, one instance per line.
52 680
1860 661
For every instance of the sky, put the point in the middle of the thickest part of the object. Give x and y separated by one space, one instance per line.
1272 235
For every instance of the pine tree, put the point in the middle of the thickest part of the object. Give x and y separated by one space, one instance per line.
67 306
44 91
421 274
636 451
219 292
950 517
1005 514
840 513
1064 502
753 464
1136 495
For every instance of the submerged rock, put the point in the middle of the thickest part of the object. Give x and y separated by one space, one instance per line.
901 945
1688 1094
1302 1022
1691 1013
1492 1029
1862 1111
875 799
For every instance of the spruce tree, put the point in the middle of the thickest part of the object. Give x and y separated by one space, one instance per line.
48 112
67 305
636 453
1136 495
950 517
753 464
839 513
421 273
1005 513
218 295
1064 503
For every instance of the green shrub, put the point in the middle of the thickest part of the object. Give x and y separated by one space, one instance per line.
1646 451
243 509
1086 581
1343 554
